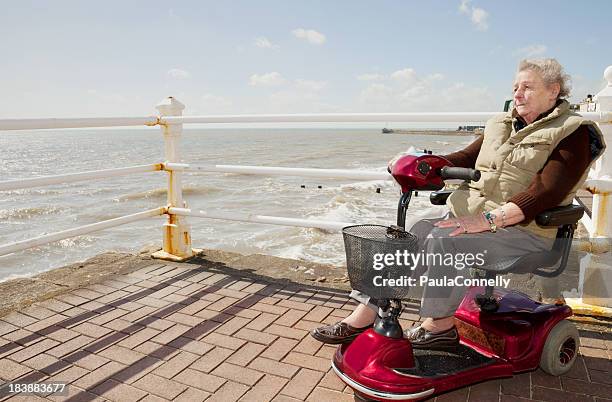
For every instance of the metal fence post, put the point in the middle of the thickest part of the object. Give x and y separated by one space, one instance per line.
595 277
177 236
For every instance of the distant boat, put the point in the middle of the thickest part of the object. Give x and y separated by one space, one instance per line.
387 130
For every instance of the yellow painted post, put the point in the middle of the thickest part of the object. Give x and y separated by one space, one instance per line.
176 231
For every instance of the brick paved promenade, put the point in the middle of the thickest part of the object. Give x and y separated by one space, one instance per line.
183 332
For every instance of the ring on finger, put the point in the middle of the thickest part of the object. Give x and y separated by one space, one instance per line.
458 224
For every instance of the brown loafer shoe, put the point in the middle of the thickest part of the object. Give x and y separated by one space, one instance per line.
420 338
339 332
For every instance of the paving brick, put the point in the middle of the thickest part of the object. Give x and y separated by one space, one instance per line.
296 305
255 336
72 299
206 382
160 386
38 312
224 341
339 314
328 395
137 370
190 345
116 391
58 333
602 377
69 375
160 325
23 337
246 354
156 350
47 322
33 350
487 391
290 317
99 375
254 287
584 387
77 394
235 373
307 326
192 395
285 332
222 303
139 313
592 342
86 360
232 326
308 345
121 354
184 319
265 389
6 327
108 316
273 367
553 395
89 329
71 346
194 307
318 313
326 352
302 384
331 381
153 398
459 395
307 361
519 385
176 364
262 321
19 320
542 379
284 398
46 363
578 370
279 348
596 359
170 334
229 392
268 308
212 359
9 370
139 337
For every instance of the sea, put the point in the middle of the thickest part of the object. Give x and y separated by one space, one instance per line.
28 213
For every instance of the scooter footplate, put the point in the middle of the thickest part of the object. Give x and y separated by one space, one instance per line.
433 363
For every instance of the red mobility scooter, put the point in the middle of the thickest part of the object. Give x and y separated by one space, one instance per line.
501 331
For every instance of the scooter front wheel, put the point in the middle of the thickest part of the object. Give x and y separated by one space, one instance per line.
561 349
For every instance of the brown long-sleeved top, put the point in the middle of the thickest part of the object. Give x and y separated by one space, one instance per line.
562 170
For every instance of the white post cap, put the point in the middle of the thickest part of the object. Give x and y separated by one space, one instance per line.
170 106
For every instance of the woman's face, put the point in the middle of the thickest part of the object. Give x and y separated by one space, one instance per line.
532 96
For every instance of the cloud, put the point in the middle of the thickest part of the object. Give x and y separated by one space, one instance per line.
210 103
370 77
309 35
268 79
404 77
264 43
308 85
531 50
178 73
478 16
409 91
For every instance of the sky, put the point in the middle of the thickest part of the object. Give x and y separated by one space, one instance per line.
120 58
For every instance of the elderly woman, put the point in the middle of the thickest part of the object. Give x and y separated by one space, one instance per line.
531 159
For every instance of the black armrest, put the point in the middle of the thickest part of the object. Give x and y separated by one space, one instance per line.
560 216
439 197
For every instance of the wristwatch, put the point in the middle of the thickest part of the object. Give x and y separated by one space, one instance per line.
491 219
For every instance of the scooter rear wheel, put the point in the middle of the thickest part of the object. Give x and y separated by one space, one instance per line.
561 349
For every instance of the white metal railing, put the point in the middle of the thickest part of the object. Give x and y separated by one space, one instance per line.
177 239
75 177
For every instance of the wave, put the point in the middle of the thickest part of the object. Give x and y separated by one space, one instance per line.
161 193
25 213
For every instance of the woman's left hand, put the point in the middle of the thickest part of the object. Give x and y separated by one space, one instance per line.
469 224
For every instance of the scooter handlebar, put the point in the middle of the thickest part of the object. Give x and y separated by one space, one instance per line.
448 172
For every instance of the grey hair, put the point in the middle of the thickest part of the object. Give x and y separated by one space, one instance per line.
551 72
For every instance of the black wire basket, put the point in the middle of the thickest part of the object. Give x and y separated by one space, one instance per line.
364 244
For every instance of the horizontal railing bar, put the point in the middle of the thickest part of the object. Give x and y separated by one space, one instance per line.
36 124
428 117
81 230
282 171
74 177
272 220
